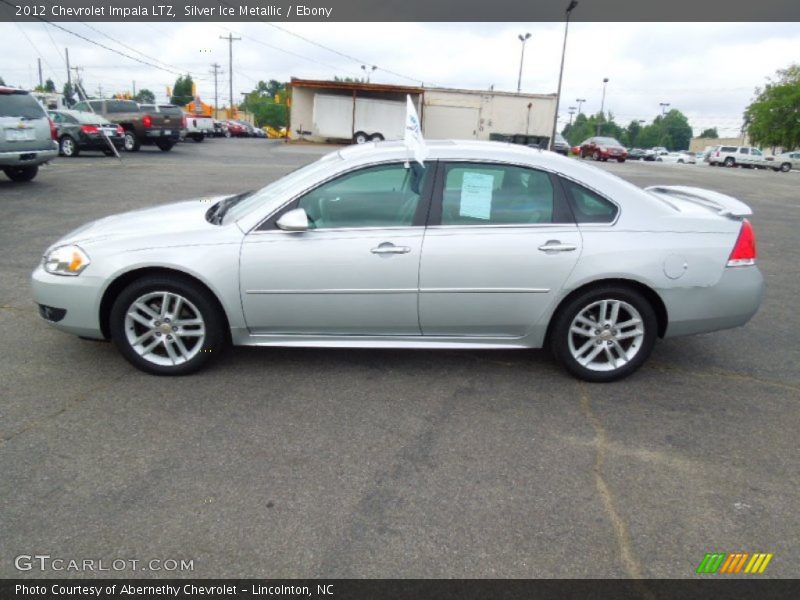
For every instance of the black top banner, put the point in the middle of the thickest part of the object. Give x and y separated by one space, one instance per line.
406 10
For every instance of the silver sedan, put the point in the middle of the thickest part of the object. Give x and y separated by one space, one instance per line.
488 245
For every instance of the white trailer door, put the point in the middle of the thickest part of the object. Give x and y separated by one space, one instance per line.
450 122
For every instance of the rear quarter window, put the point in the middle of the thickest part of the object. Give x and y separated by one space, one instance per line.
728 149
588 206
22 106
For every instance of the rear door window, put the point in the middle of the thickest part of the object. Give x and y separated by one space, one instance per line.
21 106
121 106
496 194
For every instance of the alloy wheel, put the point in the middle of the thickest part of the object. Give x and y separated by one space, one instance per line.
606 335
164 328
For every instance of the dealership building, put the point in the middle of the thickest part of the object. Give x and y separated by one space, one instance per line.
336 110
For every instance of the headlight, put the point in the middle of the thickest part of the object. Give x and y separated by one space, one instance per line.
66 260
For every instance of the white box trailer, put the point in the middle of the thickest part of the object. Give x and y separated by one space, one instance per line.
358 119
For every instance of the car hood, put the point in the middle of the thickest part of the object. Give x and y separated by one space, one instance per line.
149 223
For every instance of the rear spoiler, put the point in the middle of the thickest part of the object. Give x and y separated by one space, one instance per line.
725 206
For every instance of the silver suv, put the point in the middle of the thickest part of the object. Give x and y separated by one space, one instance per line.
27 136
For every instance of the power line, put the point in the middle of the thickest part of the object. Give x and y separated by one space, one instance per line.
91 41
333 50
137 51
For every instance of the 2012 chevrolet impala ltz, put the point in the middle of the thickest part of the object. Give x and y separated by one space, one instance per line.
488 245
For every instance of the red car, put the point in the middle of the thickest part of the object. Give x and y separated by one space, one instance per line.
603 148
235 130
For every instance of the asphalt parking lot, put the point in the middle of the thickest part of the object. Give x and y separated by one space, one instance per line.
365 463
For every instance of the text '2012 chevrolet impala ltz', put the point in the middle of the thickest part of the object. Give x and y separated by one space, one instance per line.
489 245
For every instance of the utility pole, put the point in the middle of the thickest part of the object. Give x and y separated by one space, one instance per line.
69 71
230 39
79 83
215 70
41 82
602 106
134 88
580 102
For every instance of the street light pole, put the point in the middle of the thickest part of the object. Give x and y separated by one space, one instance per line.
368 71
602 105
569 10
522 39
580 102
664 106
571 111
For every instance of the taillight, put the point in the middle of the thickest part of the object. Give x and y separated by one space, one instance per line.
89 128
120 130
717 153
147 121
744 252
183 122
53 130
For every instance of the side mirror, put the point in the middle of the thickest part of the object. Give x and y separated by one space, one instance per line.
294 220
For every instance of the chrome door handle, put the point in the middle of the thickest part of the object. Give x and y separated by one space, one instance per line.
557 246
387 248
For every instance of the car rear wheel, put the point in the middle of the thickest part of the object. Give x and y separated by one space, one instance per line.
786 167
68 146
21 173
376 137
165 146
167 326
604 334
131 142
360 137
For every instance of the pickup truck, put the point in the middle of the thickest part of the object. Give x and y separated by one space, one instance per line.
161 128
198 127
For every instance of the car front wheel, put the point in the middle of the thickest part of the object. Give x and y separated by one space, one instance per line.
167 326
604 334
786 167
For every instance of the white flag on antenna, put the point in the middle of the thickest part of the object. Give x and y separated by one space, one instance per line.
413 139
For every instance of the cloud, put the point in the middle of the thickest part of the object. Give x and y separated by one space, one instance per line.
706 70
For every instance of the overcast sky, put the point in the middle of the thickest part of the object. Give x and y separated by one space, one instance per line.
706 70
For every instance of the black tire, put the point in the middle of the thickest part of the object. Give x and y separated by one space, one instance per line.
596 156
359 137
164 146
198 137
209 347
67 146
109 152
621 160
729 162
786 167
376 137
132 143
21 173
563 321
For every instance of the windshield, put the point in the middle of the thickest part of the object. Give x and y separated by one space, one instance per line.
277 188
22 106
606 140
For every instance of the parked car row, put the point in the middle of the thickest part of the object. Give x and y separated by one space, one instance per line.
749 158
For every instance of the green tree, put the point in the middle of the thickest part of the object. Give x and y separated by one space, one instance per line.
182 91
773 118
585 127
2 82
49 86
261 102
69 94
711 132
145 96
